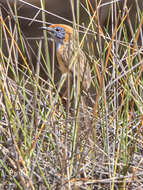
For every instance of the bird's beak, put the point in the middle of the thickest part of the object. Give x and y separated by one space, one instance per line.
49 29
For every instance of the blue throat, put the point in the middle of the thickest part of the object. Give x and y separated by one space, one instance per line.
58 45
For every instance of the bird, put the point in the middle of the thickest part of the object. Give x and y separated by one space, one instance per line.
65 40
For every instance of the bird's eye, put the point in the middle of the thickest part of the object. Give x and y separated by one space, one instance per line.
57 29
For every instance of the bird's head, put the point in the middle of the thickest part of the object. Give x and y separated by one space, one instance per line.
60 33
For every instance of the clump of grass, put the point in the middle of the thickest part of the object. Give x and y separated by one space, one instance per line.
43 144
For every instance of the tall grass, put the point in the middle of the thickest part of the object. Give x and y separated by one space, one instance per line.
47 142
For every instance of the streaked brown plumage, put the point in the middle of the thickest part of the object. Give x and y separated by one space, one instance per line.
66 47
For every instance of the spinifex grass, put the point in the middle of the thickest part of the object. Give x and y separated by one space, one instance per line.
48 143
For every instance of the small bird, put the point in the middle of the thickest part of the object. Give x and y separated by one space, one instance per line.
65 40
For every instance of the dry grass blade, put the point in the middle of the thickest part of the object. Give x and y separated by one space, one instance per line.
87 139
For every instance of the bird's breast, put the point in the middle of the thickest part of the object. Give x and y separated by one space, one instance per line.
61 63
64 56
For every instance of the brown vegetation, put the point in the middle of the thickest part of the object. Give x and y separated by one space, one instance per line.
44 145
